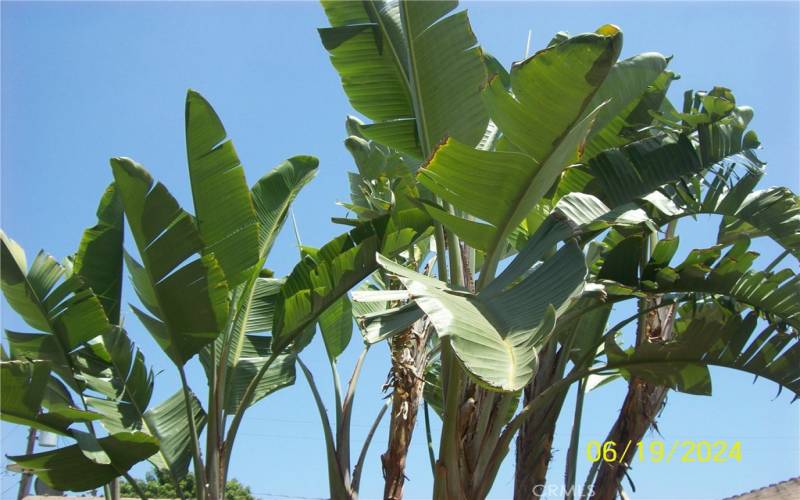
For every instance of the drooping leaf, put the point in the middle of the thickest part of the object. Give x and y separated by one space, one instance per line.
495 358
41 346
620 175
641 167
496 337
381 313
634 87
732 341
275 192
384 324
773 212
576 215
166 422
69 469
24 389
708 271
90 447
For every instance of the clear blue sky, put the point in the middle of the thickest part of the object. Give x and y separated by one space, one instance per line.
82 82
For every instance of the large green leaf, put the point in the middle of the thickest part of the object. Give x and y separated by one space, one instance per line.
360 50
226 218
24 390
641 167
115 369
576 215
248 353
501 188
496 337
67 309
167 422
772 212
551 91
41 346
708 271
634 87
262 305
99 257
318 281
411 67
620 175
255 316
255 351
24 294
70 469
581 335
255 299
274 193
187 295
726 340
547 119
496 358
336 327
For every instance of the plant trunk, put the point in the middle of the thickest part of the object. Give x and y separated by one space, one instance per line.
533 455
25 481
214 473
535 437
115 489
409 358
642 404
212 462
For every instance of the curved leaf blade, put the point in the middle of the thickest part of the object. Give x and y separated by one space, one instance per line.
189 293
99 257
274 193
69 469
226 218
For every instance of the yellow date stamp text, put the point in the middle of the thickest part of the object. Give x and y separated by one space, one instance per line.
687 451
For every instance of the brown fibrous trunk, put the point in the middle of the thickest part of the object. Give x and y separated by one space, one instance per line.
406 380
642 405
535 437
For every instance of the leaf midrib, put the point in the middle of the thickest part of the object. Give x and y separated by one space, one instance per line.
413 81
